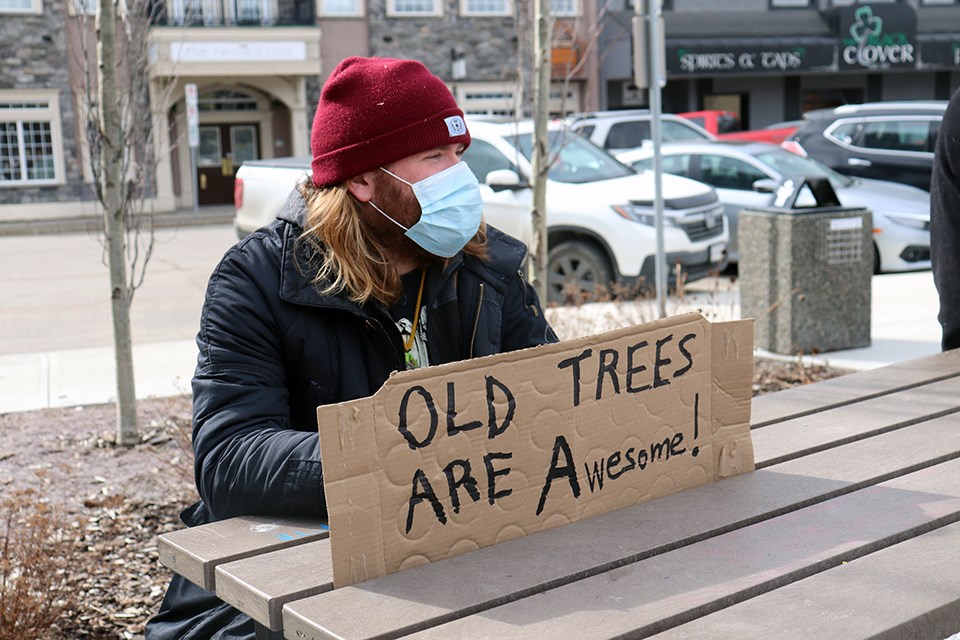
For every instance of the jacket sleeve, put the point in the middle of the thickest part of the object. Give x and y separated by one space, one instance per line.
945 223
524 324
249 459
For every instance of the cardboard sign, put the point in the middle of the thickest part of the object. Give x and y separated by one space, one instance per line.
452 458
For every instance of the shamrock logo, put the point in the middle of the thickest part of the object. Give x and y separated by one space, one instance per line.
866 24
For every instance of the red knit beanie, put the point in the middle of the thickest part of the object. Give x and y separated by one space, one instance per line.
374 111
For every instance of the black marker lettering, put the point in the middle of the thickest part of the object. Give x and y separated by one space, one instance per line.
682 346
560 446
493 472
453 428
608 368
595 477
657 449
632 370
466 480
696 423
416 497
675 448
494 428
661 361
403 425
574 363
612 462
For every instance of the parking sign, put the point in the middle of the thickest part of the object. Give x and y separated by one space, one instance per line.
193 115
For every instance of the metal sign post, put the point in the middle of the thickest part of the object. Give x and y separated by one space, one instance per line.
193 139
649 65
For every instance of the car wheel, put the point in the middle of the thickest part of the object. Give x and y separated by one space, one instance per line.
574 270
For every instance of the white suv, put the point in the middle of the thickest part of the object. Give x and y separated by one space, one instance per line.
600 216
618 131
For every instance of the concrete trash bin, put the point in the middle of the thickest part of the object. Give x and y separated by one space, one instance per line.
806 265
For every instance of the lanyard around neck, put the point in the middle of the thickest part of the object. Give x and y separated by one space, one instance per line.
408 344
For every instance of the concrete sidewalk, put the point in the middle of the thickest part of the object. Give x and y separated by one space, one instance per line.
904 326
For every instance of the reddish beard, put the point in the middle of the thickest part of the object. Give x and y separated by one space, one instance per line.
397 201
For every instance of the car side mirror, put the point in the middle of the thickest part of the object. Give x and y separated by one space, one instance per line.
765 185
505 179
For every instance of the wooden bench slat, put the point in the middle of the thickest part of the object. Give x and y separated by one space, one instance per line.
196 552
511 569
661 592
828 394
909 590
802 436
261 585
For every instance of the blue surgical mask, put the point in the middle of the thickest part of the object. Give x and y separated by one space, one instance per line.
450 206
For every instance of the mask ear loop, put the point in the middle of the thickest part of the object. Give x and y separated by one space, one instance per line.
374 205
382 212
396 176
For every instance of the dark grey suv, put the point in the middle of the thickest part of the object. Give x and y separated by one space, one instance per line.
881 140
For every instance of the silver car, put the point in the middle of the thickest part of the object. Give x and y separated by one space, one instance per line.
745 175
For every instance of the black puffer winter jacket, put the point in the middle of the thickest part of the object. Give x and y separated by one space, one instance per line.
272 349
945 223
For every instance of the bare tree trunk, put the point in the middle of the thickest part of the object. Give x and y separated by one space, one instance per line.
112 197
540 161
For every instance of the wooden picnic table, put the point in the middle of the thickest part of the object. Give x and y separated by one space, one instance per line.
849 528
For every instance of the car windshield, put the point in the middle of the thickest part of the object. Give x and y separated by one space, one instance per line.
790 164
573 159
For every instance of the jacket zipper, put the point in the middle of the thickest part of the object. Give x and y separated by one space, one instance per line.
476 320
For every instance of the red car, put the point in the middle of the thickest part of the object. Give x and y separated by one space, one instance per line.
726 126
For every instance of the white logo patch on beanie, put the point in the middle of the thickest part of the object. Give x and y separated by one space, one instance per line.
455 126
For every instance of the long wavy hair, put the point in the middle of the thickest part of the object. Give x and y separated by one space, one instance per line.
346 256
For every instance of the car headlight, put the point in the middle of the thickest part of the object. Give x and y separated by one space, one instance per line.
912 220
643 215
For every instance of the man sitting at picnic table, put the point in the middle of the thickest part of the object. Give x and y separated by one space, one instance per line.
380 263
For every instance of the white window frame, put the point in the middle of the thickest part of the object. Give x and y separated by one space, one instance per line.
565 95
49 114
359 10
500 98
556 12
267 10
487 98
393 13
82 7
36 8
466 11
789 4
216 13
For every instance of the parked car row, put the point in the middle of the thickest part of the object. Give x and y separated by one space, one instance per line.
600 214
881 140
745 174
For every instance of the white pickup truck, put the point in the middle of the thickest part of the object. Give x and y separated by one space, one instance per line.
600 220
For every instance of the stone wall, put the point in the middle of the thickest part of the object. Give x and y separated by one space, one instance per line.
489 45
33 55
